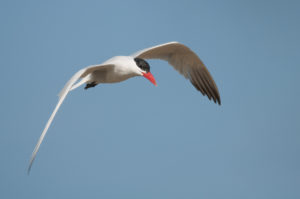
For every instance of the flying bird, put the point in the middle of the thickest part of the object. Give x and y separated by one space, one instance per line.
121 68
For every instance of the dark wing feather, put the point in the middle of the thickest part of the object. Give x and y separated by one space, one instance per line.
187 63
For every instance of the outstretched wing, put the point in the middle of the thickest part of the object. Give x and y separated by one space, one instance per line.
63 94
187 63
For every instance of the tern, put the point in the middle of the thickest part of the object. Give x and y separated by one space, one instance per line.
120 68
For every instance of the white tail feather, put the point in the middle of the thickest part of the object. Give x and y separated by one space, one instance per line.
85 75
62 96
82 81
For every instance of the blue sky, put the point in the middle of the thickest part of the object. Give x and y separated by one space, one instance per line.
134 140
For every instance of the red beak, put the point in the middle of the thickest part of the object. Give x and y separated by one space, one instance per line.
150 77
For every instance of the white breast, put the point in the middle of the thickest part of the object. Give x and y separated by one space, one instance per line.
124 68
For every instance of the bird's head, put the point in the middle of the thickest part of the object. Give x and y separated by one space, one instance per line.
145 69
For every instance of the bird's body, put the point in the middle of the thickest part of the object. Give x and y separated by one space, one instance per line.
114 70
121 68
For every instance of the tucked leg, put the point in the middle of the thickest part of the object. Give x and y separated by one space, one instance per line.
89 85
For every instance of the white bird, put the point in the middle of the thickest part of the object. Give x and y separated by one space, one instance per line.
120 68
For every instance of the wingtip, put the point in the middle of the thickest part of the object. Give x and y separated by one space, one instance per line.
30 165
28 170
218 101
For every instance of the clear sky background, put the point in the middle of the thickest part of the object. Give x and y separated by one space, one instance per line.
135 140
